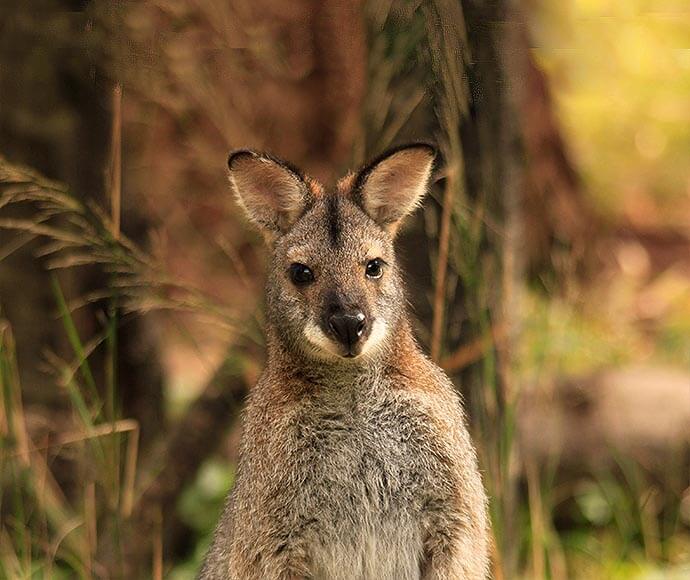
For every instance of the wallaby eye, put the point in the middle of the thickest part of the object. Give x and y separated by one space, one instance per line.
300 274
374 268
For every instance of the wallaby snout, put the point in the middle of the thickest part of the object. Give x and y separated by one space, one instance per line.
348 327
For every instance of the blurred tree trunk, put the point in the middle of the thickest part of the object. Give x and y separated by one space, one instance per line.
495 162
39 127
559 224
56 116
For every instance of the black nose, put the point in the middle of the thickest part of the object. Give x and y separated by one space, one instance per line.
348 327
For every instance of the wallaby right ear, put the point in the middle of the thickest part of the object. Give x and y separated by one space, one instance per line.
392 186
273 194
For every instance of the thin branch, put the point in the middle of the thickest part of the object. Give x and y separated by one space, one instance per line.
442 267
470 353
116 162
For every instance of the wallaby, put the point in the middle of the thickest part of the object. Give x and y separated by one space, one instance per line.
355 461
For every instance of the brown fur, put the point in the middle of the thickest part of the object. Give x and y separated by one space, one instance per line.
355 461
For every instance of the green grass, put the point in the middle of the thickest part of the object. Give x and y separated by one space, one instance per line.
44 534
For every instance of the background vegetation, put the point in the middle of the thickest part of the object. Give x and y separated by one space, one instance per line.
549 271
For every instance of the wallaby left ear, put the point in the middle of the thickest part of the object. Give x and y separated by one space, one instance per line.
272 192
393 185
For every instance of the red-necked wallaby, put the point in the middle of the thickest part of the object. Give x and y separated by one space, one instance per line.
355 461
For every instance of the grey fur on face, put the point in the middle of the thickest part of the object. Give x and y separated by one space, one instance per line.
355 460
336 244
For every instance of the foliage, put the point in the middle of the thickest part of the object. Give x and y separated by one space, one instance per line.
621 73
82 234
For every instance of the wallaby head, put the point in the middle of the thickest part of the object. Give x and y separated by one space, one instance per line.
334 289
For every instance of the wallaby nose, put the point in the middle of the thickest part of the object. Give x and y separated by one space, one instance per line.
348 327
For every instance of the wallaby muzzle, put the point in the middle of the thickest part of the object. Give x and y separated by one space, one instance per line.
348 328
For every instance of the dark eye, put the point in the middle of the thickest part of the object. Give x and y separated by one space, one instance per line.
374 268
301 275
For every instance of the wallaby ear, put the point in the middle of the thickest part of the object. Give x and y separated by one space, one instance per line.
273 194
393 185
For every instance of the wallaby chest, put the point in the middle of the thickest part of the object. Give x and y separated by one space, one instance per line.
365 470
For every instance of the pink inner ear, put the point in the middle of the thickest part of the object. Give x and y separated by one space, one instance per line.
272 195
395 186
